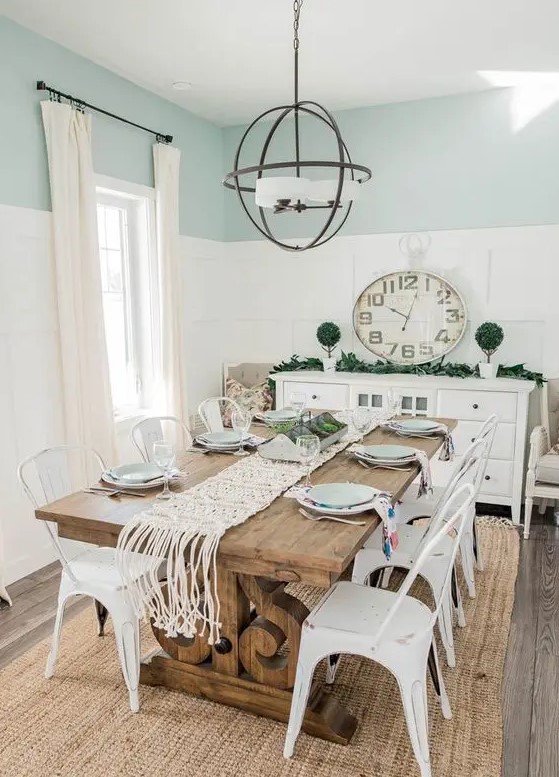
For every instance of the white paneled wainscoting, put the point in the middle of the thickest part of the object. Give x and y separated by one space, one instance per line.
249 301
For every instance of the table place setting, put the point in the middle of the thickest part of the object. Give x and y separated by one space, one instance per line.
395 457
422 428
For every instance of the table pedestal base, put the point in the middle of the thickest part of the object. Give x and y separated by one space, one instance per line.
325 717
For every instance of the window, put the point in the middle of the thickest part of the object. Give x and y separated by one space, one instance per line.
125 221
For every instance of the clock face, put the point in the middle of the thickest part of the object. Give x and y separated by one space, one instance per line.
409 317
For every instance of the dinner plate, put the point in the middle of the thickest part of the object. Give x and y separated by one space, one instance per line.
227 439
355 510
140 473
340 495
417 425
106 477
396 463
279 415
388 452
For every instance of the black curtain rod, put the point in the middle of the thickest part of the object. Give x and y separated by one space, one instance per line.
42 87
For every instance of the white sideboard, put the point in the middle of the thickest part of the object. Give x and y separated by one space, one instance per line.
469 400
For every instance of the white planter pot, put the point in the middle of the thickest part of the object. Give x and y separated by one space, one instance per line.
488 370
329 365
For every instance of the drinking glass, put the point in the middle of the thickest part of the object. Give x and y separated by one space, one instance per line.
394 403
298 401
309 449
240 421
164 457
362 420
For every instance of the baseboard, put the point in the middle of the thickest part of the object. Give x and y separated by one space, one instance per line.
16 568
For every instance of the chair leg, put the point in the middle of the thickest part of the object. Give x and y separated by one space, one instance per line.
438 680
102 614
53 653
477 548
542 507
414 700
528 506
127 635
457 599
301 690
467 554
445 628
332 663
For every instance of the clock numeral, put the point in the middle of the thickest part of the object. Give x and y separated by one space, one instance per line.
375 338
393 349
410 282
444 296
426 350
452 315
408 351
389 287
375 300
365 317
442 336
427 282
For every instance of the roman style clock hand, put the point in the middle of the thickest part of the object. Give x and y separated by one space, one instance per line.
409 311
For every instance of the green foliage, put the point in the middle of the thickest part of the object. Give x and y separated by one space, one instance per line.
349 362
328 335
489 337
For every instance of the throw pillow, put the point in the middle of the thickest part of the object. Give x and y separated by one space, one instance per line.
256 398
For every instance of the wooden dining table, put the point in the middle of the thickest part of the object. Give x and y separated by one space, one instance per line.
250 667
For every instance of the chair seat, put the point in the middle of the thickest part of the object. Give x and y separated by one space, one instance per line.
409 539
99 565
360 610
547 469
412 507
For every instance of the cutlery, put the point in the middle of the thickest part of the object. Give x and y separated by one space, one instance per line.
111 491
197 450
383 466
330 518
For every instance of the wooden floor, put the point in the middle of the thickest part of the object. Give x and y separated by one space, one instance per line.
531 679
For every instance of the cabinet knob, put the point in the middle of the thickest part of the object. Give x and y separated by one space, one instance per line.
314 396
488 477
473 439
475 405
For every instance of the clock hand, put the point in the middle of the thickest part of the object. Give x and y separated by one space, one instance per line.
409 311
396 311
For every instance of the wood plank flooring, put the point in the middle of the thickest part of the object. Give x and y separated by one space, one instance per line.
531 677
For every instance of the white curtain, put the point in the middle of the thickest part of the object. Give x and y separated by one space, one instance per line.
88 409
166 163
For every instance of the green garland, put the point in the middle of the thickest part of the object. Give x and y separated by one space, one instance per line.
349 362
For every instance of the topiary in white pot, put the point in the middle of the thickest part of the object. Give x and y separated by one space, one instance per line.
489 337
328 335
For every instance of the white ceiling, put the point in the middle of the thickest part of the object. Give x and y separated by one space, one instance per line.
237 53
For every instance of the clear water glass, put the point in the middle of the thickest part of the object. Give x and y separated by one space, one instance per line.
362 419
298 401
308 446
241 420
394 405
164 457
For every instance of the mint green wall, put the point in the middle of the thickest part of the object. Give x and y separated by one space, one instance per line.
118 150
445 163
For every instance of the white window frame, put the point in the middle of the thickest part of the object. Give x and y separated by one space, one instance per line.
143 284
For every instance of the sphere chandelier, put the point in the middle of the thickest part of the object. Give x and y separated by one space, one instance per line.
290 190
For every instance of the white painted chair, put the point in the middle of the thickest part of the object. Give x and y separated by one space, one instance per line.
542 477
411 508
371 558
166 428
212 410
393 629
45 477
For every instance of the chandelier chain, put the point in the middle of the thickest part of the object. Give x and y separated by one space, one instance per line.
297 5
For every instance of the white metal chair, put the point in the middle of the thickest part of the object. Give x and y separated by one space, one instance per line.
157 428
393 629
212 410
542 477
412 508
45 477
371 558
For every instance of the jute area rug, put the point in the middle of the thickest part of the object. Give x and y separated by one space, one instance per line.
78 723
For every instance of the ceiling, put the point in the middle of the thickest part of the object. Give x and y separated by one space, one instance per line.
237 54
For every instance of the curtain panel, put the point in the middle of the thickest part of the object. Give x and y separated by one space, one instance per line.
172 393
88 409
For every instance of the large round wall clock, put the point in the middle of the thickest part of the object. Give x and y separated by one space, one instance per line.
409 317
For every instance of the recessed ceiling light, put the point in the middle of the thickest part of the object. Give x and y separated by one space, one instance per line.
182 86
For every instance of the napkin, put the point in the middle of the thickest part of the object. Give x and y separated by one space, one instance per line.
447 449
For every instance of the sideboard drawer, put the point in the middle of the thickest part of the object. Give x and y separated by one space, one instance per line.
503 442
477 405
322 396
497 479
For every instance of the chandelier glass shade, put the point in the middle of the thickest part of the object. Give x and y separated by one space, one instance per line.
300 185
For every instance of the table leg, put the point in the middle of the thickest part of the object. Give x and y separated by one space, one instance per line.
246 669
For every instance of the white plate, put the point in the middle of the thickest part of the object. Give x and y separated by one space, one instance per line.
355 510
221 438
391 452
279 415
417 425
384 462
106 478
340 495
138 474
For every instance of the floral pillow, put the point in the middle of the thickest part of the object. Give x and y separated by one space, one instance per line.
256 398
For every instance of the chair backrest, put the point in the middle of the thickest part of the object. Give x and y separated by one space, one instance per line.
56 472
167 428
449 522
215 410
549 403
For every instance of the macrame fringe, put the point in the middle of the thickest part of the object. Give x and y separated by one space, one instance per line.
496 520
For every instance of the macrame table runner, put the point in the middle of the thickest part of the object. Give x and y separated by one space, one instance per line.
183 535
